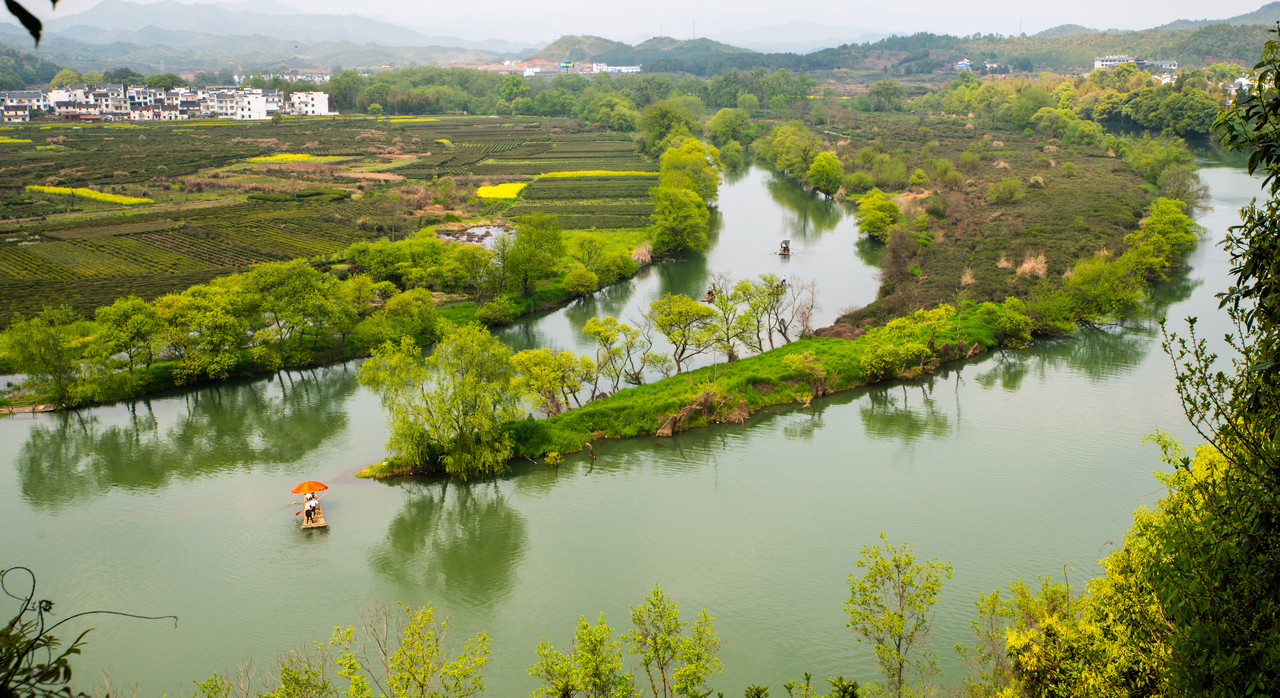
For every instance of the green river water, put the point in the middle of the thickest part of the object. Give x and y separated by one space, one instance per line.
1010 466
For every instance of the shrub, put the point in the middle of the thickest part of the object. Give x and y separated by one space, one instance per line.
499 311
858 182
616 266
936 206
876 214
1006 191
1069 169
919 179
731 155
969 160
580 281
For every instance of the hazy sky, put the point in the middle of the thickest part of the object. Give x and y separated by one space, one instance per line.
520 19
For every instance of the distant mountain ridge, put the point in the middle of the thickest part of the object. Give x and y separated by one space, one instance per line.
116 20
594 48
1267 14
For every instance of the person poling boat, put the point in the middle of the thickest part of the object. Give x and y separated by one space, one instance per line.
311 504
785 250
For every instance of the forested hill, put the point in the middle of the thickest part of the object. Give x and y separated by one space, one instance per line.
925 53
19 69
1268 14
596 49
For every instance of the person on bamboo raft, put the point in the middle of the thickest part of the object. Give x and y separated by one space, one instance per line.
311 503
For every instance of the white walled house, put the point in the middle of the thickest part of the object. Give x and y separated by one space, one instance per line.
310 104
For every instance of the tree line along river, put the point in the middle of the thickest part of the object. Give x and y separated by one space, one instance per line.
1015 465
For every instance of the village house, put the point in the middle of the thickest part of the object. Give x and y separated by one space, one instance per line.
141 103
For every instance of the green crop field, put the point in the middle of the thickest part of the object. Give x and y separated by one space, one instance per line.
224 195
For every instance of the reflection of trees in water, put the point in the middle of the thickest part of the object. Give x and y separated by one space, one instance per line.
463 542
1177 289
1099 354
689 277
732 176
811 214
225 426
889 413
868 250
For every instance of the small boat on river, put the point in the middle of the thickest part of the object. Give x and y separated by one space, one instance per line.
317 519
785 250
312 514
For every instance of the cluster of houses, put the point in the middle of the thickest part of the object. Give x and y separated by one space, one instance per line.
539 66
1109 62
140 103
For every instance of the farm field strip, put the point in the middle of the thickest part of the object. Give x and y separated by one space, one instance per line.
209 251
85 262
138 252
121 229
20 263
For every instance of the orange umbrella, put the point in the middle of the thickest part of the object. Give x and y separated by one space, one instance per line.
310 486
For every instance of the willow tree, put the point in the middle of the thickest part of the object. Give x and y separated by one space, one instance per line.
448 409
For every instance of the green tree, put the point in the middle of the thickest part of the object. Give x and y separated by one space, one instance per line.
551 378
676 664
129 326
593 670
166 82
580 281
422 666
93 78
413 314
204 327
877 213
826 174
887 94
292 297
728 125
679 221
536 249
65 77
683 321
663 119
44 348
694 166
891 607
470 266
513 88
589 249
450 408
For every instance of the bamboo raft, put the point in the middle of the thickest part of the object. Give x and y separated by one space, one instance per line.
317 521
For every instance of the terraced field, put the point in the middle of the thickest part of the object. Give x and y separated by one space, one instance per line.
59 249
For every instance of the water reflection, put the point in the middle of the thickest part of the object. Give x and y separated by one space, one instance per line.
868 250
73 455
809 214
461 542
897 413
1099 354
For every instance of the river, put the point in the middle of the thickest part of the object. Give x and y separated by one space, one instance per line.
1012 466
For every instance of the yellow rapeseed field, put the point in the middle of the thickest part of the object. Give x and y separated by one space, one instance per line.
290 157
599 173
508 190
92 194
